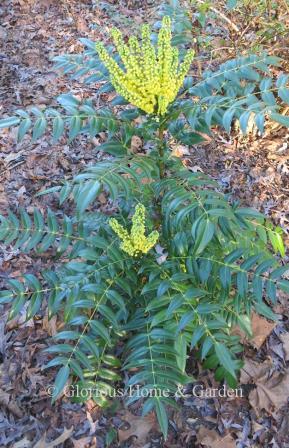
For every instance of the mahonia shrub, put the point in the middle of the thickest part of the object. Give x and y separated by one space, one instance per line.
176 264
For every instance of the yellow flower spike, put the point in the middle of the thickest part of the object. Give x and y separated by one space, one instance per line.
125 53
165 51
136 242
138 221
152 239
184 67
118 229
151 77
134 45
149 59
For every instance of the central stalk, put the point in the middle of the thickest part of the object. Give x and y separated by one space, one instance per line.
161 149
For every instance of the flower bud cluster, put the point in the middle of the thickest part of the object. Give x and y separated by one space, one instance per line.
149 77
135 243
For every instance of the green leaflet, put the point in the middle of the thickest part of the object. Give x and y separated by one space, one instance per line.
162 417
60 381
10 121
181 349
202 231
225 358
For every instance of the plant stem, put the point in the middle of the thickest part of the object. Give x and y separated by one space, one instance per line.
161 164
161 147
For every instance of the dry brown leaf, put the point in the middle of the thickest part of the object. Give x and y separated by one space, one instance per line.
82 443
211 439
285 340
3 33
257 427
283 429
61 439
261 329
195 169
11 405
20 320
49 325
13 156
3 201
271 392
139 427
90 404
252 370
3 321
82 25
136 143
24 443
111 96
180 151
102 198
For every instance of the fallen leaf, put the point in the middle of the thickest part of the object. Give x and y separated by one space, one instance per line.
82 443
277 348
49 325
82 25
31 374
20 320
2 332
3 33
257 427
13 156
92 424
180 151
162 254
211 439
8 403
283 430
61 439
139 427
270 392
24 443
136 143
285 339
3 201
102 198
195 169
261 329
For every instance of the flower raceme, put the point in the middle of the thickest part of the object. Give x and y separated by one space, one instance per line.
151 77
136 242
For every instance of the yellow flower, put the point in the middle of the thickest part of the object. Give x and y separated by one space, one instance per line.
151 77
136 242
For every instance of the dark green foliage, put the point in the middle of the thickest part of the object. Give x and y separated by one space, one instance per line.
241 89
215 271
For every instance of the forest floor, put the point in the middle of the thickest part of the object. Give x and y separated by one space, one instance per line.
254 169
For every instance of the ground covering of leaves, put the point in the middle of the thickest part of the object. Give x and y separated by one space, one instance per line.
256 171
